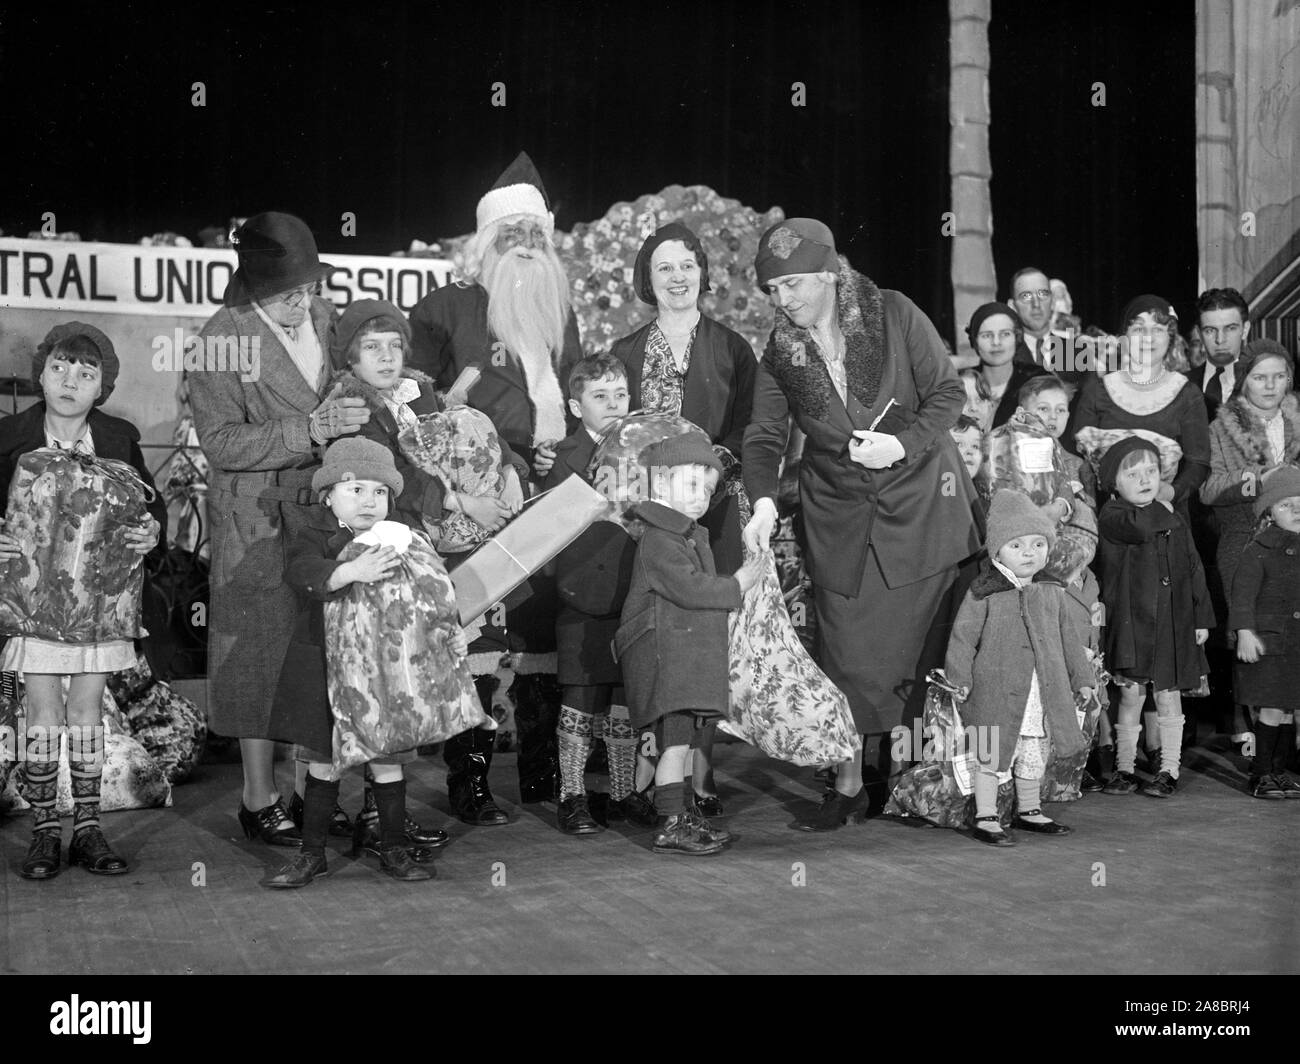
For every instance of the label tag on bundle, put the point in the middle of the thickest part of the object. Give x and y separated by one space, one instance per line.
1037 454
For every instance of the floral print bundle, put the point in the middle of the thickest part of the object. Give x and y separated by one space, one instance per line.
77 580
461 448
397 671
1024 457
1062 776
781 702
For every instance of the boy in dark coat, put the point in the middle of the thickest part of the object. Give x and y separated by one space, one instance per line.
592 576
1017 653
1265 614
1158 610
673 640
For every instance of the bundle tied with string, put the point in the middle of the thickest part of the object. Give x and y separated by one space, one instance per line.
77 580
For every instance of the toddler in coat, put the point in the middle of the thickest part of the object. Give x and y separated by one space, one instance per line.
673 639
1265 614
1017 655
1157 609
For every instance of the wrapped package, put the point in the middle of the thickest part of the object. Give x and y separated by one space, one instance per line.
781 702
939 787
77 580
1024 457
461 448
547 524
167 724
395 653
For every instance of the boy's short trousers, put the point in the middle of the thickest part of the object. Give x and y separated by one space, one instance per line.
682 728
593 698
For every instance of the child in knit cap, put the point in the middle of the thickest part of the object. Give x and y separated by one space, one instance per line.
673 639
1265 613
358 482
1017 655
1158 610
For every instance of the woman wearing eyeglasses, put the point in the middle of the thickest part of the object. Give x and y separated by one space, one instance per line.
1146 394
263 426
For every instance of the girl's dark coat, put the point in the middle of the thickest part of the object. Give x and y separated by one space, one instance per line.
1143 549
673 641
1265 598
1001 636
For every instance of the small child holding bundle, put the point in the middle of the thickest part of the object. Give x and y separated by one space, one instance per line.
357 482
673 640
1158 609
1265 614
1017 656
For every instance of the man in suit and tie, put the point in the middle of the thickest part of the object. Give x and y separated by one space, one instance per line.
1032 301
1224 324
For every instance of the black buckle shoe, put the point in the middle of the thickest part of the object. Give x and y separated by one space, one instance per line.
707 805
418 835
91 850
271 824
301 870
574 817
366 838
993 838
43 856
1051 827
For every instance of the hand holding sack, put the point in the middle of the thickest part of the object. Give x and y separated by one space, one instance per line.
461 448
781 702
78 579
396 666
1024 457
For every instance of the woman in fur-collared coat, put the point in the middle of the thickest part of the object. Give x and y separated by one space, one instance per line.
1243 449
888 509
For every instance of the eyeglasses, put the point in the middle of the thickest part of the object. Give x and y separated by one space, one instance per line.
1040 294
295 296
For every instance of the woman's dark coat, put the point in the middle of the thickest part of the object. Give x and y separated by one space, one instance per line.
1265 597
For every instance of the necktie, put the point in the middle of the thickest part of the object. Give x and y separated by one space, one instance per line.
1214 390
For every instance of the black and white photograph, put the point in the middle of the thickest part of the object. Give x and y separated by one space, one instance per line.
664 489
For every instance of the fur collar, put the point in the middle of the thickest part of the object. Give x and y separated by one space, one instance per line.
992 580
805 381
1274 538
1244 430
355 387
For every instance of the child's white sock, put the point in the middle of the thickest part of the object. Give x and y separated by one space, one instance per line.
1126 747
1171 744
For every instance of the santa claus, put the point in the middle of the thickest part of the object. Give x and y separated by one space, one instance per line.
510 320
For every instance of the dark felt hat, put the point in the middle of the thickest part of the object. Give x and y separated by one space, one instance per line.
1108 467
797 245
358 313
277 252
109 365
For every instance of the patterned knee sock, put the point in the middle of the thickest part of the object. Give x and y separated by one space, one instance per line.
85 764
41 773
1171 743
1126 747
620 741
573 737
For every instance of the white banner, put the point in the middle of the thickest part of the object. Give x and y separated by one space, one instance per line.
181 282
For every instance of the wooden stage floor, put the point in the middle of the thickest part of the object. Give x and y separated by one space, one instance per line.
1202 883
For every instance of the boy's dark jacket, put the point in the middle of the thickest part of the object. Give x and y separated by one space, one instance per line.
301 713
1000 637
673 641
592 576
1141 550
112 437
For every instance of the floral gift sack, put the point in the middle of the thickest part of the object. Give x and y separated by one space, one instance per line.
781 702
77 580
1093 443
1024 457
395 654
1062 776
938 787
461 448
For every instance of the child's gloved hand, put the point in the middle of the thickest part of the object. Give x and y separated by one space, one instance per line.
1249 646
143 538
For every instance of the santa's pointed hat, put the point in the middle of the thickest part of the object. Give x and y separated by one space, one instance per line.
518 191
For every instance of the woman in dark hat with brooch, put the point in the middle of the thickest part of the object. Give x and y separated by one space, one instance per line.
888 509
686 364
263 432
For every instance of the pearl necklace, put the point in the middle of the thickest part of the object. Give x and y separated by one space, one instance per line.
1127 377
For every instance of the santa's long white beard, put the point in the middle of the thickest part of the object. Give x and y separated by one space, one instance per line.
528 307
